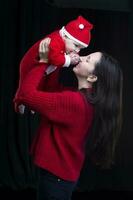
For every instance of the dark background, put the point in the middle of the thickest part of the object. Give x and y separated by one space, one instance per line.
23 22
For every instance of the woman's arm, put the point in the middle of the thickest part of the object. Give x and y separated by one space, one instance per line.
59 107
29 61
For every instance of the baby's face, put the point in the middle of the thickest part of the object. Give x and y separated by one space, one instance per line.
72 46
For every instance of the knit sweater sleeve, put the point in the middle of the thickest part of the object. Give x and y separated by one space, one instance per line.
60 106
28 62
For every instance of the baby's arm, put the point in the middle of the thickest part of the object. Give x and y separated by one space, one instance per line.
57 55
52 51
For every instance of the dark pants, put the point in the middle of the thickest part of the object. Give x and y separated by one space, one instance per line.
52 187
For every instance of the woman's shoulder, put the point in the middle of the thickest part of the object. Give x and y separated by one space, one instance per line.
74 97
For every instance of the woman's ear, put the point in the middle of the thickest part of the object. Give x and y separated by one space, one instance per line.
92 78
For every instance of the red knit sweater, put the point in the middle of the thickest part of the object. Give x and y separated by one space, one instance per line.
59 146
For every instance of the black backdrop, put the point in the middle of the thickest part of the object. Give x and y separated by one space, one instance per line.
22 24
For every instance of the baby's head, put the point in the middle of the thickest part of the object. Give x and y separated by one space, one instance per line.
76 34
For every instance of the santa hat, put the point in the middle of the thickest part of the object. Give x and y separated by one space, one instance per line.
79 31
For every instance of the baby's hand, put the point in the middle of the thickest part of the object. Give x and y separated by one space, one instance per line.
44 49
75 58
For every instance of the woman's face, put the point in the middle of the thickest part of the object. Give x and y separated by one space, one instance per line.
87 64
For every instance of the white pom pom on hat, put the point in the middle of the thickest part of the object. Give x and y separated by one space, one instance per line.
81 26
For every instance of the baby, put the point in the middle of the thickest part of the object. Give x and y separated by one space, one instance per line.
64 47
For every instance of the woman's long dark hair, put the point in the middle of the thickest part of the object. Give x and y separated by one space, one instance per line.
107 99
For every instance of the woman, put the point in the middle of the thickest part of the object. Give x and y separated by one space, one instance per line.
91 112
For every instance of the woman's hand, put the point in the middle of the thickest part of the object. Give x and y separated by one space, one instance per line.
44 49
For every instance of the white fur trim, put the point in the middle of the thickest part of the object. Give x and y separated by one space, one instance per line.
61 33
67 61
63 30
